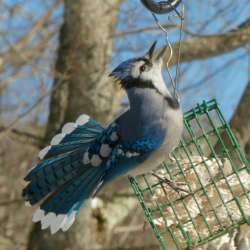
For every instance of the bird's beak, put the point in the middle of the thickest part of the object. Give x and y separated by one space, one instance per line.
150 53
153 56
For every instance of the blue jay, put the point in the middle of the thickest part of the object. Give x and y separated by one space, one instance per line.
85 156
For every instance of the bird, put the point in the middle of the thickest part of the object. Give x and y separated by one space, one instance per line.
86 156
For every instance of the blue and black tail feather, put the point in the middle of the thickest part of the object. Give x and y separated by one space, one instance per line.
61 181
73 193
51 174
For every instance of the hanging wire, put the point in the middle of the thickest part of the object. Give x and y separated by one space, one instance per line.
174 81
177 73
170 50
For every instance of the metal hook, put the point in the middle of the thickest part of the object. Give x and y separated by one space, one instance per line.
161 7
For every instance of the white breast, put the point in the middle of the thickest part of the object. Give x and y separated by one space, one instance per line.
174 128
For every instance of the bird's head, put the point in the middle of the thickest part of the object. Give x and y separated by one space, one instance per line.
141 72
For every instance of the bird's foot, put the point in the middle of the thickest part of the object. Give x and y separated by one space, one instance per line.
176 186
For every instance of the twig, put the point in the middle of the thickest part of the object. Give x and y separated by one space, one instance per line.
24 114
25 136
141 30
204 80
171 184
10 202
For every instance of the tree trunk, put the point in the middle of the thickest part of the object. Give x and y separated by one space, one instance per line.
81 83
241 127
241 121
81 86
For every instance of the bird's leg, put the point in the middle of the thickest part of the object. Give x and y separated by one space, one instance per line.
174 185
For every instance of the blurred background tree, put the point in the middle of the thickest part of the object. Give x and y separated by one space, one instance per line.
54 59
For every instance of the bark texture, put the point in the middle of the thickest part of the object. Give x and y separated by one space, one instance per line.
240 125
241 121
81 84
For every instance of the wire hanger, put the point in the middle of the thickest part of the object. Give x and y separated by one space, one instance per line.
164 7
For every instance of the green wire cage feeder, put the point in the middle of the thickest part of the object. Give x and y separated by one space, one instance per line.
213 173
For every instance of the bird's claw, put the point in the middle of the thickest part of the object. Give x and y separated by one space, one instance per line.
173 184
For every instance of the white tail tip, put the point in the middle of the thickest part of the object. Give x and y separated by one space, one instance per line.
57 139
69 128
82 119
43 152
55 222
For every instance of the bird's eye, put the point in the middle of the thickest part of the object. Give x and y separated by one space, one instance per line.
142 68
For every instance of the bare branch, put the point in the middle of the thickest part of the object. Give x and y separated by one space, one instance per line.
37 26
142 30
10 202
204 47
213 74
32 107
24 136
20 49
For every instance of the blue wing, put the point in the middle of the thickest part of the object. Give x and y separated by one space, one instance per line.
128 155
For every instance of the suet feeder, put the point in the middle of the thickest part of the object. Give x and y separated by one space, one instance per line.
213 173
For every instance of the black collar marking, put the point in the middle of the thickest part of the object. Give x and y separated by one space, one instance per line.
132 83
